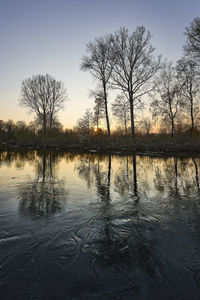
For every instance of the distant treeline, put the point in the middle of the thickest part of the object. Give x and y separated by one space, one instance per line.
18 130
20 135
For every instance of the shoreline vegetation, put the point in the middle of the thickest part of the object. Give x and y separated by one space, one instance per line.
142 144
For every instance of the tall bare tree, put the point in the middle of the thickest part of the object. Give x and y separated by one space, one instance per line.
188 78
44 96
133 66
97 61
167 102
192 47
121 110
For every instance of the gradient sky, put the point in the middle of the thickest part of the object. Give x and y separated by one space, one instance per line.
49 36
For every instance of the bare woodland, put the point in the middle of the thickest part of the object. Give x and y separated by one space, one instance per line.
151 94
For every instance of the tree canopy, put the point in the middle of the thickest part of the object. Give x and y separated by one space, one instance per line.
44 96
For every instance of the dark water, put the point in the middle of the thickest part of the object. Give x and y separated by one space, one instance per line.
99 227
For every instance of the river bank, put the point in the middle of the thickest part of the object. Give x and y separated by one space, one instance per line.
159 145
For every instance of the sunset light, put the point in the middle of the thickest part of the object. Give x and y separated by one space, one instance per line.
99 149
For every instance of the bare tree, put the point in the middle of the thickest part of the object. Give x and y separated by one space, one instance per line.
99 108
167 101
57 99
188 78
192 47
121 110
98 63
146 124
43 95
84 124
134 66
9 128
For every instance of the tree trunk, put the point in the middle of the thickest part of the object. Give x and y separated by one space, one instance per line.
44 125
97 123
50 123
106 108
191 113
191 107
125 125
132 119
172 123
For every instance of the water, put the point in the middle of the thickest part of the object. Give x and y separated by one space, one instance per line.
88 226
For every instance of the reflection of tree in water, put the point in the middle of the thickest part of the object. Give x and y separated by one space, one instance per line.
196 174
121 238
126 241
19 158
166 179
178 182
129 238
84 168
126 181
46 194
178 179
102 181
126 237
190 182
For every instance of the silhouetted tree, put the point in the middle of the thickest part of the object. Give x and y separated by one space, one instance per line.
133 66
98 63
167 101
2 128
33 128
84 124
21 129
10 128
192 47
188 78
99 108
43 95
53 127
146 124
121 110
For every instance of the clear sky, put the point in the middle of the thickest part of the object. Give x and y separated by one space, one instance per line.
49 36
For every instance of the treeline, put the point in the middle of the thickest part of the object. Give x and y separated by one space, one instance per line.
21 131
10 129
126 62
152 95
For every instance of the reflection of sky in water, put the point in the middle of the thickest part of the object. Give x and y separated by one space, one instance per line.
155 176
112 225
82 175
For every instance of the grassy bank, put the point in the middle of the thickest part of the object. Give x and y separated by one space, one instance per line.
151 143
